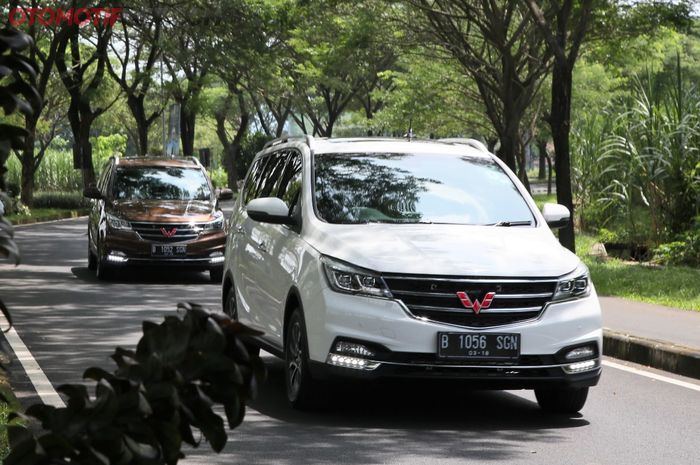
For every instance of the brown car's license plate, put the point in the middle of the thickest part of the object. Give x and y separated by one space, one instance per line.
168 250
478 346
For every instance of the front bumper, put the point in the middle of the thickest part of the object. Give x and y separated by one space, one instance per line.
530 372
406 346
126 248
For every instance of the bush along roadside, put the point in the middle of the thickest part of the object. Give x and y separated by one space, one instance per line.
151 404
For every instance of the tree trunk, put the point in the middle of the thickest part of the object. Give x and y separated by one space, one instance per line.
542 148
27 188
139 114
187 122
88 170
506 151
231 153
560 124
28 163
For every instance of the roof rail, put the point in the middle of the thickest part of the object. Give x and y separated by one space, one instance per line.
307 138
476 144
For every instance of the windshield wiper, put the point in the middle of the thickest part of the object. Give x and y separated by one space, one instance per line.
512 223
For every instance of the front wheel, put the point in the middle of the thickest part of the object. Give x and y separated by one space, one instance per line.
92 260
561 400
303 391
103 271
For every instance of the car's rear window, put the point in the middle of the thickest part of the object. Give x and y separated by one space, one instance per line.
352 188
160 183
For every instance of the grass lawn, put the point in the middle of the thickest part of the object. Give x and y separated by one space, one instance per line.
45 214
541 199
5 409
673 286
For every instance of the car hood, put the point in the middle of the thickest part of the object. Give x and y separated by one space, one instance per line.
165 211
450 250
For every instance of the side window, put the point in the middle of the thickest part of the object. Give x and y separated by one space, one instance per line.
290 182
252 181
103 182
272 173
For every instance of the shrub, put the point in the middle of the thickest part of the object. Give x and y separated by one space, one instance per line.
218 177
147 408
68 200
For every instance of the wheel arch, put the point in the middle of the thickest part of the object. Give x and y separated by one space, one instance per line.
293 302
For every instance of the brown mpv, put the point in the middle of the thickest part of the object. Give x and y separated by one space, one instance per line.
155 211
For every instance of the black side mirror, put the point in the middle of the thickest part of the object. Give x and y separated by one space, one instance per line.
92 192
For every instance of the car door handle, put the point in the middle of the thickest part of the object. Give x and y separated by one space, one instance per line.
262 246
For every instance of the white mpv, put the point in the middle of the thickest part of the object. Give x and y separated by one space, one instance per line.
404 258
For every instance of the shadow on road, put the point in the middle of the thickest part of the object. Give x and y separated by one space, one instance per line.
151 275
395 421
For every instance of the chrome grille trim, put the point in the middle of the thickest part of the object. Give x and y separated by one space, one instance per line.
434 299
151 231
484 311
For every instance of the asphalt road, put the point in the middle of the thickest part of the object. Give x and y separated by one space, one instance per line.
70 321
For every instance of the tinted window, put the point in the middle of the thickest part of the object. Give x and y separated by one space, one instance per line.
252 181
159 183
290 181
271 174
413 188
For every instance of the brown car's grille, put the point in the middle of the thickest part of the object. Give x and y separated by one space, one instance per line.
436 299
167 232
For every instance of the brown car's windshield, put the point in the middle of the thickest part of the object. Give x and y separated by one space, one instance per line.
160 183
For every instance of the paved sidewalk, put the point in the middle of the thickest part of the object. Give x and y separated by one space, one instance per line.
662 337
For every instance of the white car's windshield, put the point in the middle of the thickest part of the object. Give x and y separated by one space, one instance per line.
416 188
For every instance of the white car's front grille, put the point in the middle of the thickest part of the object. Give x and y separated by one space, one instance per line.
466 302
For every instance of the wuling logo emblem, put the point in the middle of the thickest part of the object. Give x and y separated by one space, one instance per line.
167 233
476 305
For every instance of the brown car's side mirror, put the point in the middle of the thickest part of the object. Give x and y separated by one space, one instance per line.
92 192
224 194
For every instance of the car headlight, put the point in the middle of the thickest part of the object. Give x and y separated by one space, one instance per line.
575 285
349 279
218 223
115 222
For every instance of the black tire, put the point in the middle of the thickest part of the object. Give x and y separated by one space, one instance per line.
92 260
303 391
102 270
230 305
216 275
561 400
231 309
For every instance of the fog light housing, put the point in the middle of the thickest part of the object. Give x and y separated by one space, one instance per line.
216 257
580 353
353 349
580 367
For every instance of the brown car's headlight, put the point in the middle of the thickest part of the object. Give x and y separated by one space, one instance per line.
115 222
217 224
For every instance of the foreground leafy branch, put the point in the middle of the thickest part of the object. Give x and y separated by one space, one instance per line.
155 400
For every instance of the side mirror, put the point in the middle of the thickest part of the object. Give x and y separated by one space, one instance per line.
557 216
92 192
224 194
269 210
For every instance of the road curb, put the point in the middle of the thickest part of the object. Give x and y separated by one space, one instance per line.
663 355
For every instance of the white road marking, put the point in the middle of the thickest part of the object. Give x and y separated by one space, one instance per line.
648 374
42 385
